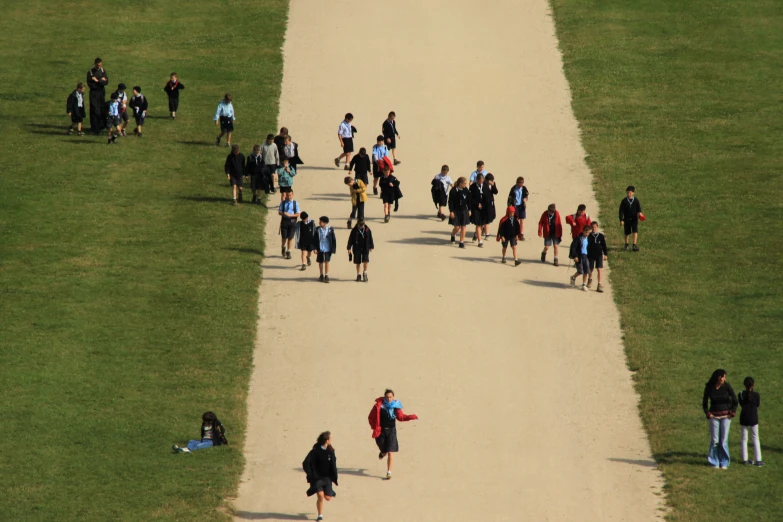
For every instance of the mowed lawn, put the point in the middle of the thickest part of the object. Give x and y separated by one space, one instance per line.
128 283
683 100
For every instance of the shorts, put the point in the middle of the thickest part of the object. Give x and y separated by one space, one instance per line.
308 248
140 118
114 121
596 263
387 441
393 144
549 241
631 227
75 118
387 197
236 181
520 212
347 145
376 171
323 257
257 182
125 116
583 265
286 190
321 485
505 242
287 229
359 258
226 124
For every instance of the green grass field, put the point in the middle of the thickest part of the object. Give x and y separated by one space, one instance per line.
683 100
128 283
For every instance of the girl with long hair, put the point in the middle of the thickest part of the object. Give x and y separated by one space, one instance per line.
320 466
212 434
720 406
459 210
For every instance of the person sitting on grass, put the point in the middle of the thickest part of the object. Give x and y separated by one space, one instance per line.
212 434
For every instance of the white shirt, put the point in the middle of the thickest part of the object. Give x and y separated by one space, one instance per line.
446 180
345 130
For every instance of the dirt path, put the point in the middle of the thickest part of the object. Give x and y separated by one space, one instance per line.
527 408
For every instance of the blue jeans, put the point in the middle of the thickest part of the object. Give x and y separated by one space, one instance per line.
719 442
194 445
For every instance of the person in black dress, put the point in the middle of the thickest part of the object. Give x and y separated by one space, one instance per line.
390 193
390 135
320 467
97 80
459 210
477 207
254 168
490 213
361 165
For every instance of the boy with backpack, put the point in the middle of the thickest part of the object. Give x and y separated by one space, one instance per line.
360 244
630 213
596 254
113 119
326 245
508 232
289 214
578 252
75 109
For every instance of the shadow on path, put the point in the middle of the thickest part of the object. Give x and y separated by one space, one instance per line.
545 284
247 515
641 462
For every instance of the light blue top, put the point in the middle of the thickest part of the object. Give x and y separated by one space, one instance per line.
114 108
475 173
289 207
226 110
583 245
324 244
379 152
518 191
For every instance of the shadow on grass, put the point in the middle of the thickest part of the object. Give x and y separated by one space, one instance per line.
44 126
682 457
208 199
49 132
157 117
640 462
545 284
248 515
77 141
198 143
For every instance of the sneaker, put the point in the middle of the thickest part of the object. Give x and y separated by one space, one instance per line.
589 282
474 238
320 517
282 251
748 462
724 467
217 141
481 245
358 278
517 262
234 203
239 198
184 450
70 131
388 475
304 267
375 190
136 131
380 456
503 260
321 278
176 448
443 217
139 135
346 168
522 238
760 463
573 280
258 201
461 244
80 133
272 190
255 198
349 223
364 276
326 279
386 218
626 247
599 289
336 162
397 162
108 141
556 263
543 257
228 144
288 254
584 288
635 248
453 239
309 262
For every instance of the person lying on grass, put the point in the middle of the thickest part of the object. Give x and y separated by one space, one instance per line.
212 434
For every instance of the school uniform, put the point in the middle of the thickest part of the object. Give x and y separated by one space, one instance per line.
139 105
516 199
358 198
360 243
459 204
280 142
172 91
440 190
113 115
97 97
254 168
346 133
75 106
271 158
596 250
291 153
578 223
578 251
508 231
390 133
379 155
122 100
326 244
389 189
550 228
629 214
306 236
361 166
489 203
225 114
475 173
382 419
477 197
320 467
288 224
285 180
235 168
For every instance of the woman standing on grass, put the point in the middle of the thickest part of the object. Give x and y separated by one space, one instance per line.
720 406
383 421
320 465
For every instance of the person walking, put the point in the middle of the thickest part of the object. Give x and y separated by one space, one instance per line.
383 421
390 134
749 421
326 246
345 135
441 185
459 210
358 198
517 198
361 165
508 233
360 245
254 168
97 80
285 178
270 155
551 229
630 215
305 239
596 254
579 253
320 467
478 199
225 118
235 172
289 211
720 406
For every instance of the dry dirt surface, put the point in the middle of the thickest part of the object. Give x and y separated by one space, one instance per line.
526 406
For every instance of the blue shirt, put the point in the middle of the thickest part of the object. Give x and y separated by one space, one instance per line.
475 174
379 152
225 110
289 207
114 108
324 245
518 192
345 130
583 245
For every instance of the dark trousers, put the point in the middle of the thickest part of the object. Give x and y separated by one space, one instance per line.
358 209
173 104
97 118
268 175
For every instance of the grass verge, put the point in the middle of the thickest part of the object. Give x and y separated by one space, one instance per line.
128 284
682 99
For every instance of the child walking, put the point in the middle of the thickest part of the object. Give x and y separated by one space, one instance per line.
122 100
139 105
285 178
441 185
289 213
508 232
551 229
345 135
459 210
320 467
478 199
172 89
358 197
235 171
749 421
361 165
390 193
383 421
479 170
389 129
630 213
212 434
517 198
490 213
380 159
224 117
596 254
113 119
305 238
326 244
578 252
360 244
270 155
578 221
75 109
255 169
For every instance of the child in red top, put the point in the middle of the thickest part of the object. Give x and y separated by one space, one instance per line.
383 417
550 227
578 221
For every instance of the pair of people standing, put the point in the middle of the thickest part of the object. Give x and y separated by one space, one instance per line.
482 204
346 131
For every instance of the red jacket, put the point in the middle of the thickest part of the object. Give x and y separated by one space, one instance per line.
375 417
543 225
578 223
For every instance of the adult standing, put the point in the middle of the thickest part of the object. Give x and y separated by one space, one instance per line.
97 80
720 406
320 466
390 134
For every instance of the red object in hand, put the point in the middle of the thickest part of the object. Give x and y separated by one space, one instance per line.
641 217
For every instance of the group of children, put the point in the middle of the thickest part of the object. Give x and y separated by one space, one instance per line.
116 110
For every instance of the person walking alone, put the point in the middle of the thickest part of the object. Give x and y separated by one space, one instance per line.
383 421
320 467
